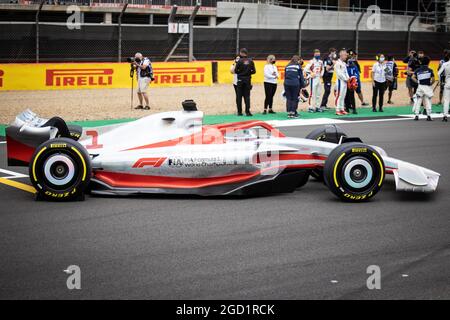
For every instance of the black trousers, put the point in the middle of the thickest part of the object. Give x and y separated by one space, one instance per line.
378 92
243 91
350 103
235 94
269 90
326 92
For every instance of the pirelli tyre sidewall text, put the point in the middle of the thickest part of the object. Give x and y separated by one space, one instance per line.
60 169
354 172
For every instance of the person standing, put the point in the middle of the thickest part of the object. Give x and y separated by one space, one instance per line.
359 87
328 66
352 70
235 80
314 71
270 83
391 71
342 77
424 77
293 83
412 60
378 83
244 69
444 74
144 72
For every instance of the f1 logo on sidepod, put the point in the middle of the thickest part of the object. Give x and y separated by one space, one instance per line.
150 162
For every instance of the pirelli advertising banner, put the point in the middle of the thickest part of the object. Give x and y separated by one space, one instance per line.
224 75
51 76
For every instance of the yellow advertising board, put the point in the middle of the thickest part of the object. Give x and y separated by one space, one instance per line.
224 75
50 76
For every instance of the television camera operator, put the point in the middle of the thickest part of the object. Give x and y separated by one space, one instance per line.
144 70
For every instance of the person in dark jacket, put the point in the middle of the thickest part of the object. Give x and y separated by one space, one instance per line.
327 77
352 70
244 70
293 83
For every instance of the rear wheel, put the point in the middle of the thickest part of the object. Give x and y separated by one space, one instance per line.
60 169
329 133
354 172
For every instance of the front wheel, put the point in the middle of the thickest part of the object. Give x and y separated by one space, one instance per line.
354 172
60 169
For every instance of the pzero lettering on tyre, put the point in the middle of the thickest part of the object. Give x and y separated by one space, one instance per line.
354 172
60 169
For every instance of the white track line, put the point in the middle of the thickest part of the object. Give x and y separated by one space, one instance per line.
2 142
321 121
12 174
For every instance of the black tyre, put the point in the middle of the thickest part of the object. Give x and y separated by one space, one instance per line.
329 133
354 172
60 169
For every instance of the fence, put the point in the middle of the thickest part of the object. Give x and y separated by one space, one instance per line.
99 42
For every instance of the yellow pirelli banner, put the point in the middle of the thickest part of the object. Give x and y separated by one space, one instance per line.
224 75
51 76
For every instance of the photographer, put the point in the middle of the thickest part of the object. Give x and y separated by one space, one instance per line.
144 70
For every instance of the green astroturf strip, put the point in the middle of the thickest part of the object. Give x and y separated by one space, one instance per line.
213 119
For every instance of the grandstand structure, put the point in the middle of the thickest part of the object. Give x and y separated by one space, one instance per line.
111 30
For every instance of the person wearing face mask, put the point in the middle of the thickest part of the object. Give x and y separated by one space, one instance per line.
270 83
378 83
314 71
328 66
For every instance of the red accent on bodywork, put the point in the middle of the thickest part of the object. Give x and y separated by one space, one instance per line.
126 180
18 150
213 134
95 144
152 162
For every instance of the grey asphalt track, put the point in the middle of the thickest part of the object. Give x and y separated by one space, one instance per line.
303 245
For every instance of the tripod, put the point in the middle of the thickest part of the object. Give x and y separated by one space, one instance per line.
132 85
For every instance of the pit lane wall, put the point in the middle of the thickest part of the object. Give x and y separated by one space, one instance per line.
224 75
62 76
51 76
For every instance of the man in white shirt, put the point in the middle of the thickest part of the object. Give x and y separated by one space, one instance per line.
444 71
378 83
340 68
314 71
144 72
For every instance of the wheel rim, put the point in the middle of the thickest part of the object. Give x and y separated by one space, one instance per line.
358 173
59 169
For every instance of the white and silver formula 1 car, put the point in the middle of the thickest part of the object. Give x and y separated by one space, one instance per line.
172 152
